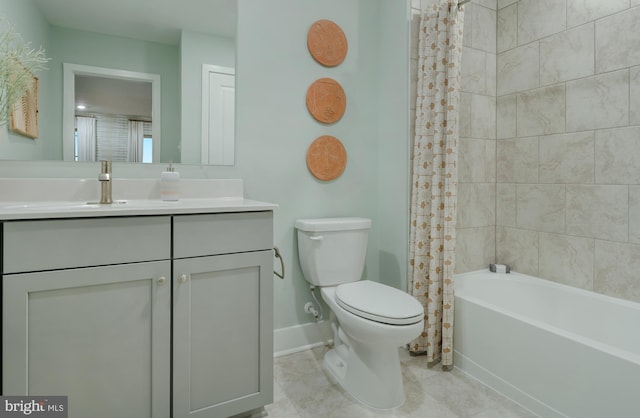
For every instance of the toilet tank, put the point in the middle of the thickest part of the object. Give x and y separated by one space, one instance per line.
332 250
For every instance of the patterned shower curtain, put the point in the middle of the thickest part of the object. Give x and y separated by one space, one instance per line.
434 185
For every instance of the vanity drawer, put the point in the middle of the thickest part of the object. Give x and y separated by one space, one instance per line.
222 233
68 243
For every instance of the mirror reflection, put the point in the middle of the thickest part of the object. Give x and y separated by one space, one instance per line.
176 40
111 115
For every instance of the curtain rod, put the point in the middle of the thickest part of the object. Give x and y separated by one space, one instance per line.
461 2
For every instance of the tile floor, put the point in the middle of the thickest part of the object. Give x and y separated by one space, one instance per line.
302 389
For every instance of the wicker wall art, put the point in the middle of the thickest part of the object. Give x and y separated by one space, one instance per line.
326 100
327 43
24 113
326 158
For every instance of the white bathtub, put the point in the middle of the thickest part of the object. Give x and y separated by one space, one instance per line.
557 350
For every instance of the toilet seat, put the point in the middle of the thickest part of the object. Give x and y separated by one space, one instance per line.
379 302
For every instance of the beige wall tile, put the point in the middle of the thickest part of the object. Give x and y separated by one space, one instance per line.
507 35
483 116
541 111
518 248
491 4
476 205
618 156
567 55
616 269
476 160
492 77
517 160
540 207
505 3
415 32
598 212
601 101
634 96
506 117
617 44
476 71
483 27
540 18
567 158
634 214
582 11
475 248
506 204
490 159
413 69
465 115
567 260
518 69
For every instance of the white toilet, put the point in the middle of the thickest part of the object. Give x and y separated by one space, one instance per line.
370 320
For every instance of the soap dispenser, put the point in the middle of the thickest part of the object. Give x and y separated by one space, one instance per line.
170 184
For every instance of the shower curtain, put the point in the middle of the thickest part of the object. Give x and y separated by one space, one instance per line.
86 145
136 139
435 179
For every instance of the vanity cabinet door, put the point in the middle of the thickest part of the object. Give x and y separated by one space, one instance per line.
100 336
222 334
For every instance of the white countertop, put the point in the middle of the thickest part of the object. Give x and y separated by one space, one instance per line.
78 209
78 198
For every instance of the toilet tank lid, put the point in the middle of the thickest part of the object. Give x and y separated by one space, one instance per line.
332 224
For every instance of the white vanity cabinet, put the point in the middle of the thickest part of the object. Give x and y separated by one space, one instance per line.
222 314
140 316
86 313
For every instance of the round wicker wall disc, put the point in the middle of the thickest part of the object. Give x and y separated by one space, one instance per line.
326 158
327 43
326 100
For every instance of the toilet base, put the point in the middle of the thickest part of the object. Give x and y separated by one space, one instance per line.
372 375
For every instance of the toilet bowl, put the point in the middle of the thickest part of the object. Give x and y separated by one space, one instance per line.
370 320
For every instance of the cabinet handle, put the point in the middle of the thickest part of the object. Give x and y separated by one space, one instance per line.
162 280
182 278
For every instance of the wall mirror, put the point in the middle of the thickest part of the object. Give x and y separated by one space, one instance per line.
165 46
110 114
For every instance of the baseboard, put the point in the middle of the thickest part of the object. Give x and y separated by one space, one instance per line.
301 337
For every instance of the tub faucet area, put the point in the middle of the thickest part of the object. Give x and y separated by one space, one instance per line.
105 182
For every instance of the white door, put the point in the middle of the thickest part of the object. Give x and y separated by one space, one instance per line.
218 115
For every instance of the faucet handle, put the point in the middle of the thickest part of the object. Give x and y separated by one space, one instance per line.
105 166
105 170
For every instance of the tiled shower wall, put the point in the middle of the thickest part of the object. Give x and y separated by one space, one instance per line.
568 142
476 232
549 161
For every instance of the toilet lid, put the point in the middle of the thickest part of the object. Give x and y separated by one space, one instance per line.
379 302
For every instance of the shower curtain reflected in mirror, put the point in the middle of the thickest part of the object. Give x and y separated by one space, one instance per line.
85 139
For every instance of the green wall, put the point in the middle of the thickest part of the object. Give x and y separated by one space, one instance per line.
29 23
274 130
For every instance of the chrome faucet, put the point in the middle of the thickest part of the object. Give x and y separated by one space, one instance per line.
105 182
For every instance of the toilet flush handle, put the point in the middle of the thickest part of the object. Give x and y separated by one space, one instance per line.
316 238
